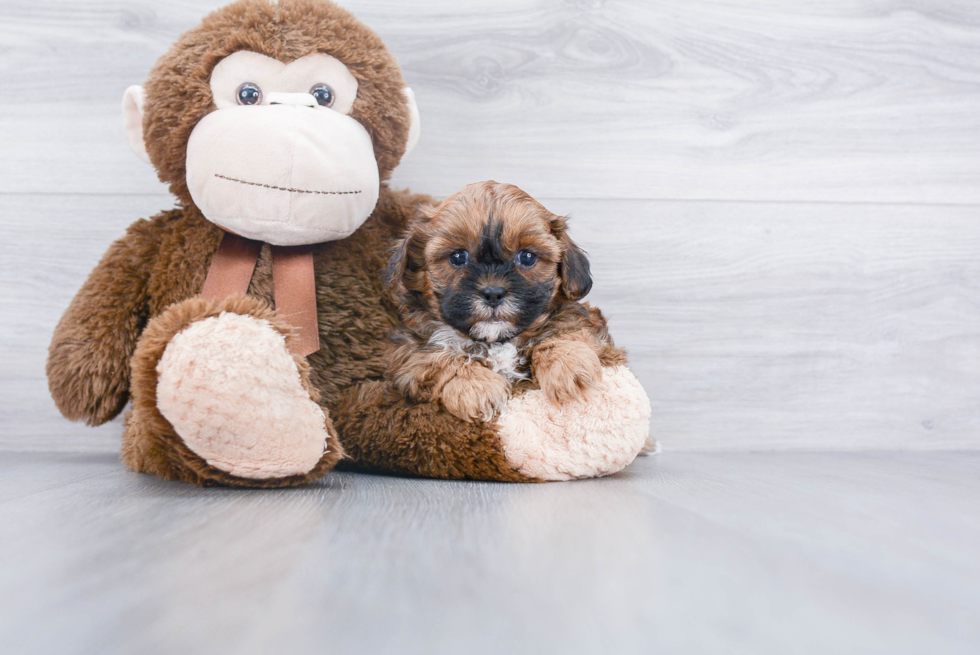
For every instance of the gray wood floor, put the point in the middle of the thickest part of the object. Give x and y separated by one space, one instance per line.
781 204
682 553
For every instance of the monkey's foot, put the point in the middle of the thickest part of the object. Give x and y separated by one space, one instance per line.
597 435
236 398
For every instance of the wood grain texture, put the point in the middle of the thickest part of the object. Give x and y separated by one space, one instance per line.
751 325
695 553
866 101
807 324
768 325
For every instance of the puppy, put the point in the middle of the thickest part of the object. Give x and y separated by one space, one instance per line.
488 284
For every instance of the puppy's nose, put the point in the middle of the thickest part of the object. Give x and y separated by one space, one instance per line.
493 295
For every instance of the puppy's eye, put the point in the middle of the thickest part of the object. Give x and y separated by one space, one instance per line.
459 258
527 258
248 94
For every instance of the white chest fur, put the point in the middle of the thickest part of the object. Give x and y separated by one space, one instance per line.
502 358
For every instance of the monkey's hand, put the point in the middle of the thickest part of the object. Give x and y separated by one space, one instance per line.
565 370
475 393
88 360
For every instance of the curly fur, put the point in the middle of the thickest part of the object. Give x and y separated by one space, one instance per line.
446 354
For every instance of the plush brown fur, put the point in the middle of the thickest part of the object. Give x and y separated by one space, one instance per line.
384 432
566 344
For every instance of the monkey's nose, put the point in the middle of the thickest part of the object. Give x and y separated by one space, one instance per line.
493 295
296 99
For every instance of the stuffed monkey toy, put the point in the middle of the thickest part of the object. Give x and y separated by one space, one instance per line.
248 327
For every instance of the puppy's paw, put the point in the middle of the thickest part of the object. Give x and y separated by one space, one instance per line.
566 370
475 393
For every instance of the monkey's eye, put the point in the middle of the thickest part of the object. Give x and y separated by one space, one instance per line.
459 258
323 94
527 258
249 94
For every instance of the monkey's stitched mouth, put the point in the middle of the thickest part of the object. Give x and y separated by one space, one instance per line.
282 188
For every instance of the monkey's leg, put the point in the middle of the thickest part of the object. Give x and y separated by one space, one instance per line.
383 432
218 399
595 436
532 440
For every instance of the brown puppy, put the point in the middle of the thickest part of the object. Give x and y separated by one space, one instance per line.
488 284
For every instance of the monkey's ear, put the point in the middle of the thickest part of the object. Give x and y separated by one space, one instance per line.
132 106
574 270
415 129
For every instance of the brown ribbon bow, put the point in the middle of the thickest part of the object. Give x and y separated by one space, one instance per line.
292 278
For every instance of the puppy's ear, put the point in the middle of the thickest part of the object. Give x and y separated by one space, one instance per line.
576 278
408 258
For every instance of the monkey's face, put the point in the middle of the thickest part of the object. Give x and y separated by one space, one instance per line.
281 160
490 261
278 121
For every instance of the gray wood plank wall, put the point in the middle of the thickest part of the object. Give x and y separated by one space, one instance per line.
780 199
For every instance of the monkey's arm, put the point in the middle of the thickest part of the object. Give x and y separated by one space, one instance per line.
88 360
